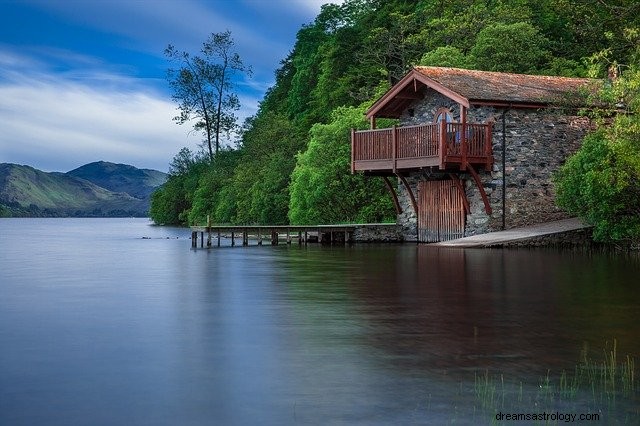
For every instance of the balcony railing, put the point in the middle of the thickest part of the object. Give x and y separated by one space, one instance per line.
442 145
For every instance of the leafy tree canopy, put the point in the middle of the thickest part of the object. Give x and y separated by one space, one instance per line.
292 162
203 87
601 182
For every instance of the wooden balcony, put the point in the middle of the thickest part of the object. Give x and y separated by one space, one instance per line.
442 145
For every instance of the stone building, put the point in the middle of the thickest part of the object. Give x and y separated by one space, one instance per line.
473 151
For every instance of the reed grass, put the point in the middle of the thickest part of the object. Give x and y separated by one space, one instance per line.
602 382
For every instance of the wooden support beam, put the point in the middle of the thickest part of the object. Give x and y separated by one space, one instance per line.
483 194
233 239
391 189
458 182
194 239
202 239
410 192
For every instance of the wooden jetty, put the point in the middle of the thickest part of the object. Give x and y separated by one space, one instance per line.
273 234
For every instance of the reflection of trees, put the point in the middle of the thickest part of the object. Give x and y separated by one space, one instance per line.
424 308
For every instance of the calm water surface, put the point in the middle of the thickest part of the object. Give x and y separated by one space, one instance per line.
114 321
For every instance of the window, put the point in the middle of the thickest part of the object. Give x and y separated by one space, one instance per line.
444 114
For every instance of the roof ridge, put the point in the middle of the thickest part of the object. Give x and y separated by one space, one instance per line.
502 73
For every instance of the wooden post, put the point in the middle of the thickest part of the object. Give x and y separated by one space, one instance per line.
306 237
208 231
201 239
194 239
218 237
442 145
233 238
259 237
299 237
488 147
353 154
394 147
245 237
288 236
463 137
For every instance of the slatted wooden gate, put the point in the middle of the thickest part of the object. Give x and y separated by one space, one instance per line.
441 214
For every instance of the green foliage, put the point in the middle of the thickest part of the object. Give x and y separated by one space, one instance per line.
292 161
601 182
445 56
210 189
203 87
515 47
323 190
172 202
261 180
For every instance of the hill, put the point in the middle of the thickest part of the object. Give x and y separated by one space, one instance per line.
25 191
138 183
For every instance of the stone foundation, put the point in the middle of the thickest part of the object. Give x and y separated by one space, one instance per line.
378 234
579 238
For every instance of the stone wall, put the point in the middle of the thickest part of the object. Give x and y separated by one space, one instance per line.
378 234
537 141
578 238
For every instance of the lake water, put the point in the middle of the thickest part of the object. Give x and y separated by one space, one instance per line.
117 322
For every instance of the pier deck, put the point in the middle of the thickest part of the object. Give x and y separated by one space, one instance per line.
273 234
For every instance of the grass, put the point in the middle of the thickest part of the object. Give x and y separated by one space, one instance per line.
591 386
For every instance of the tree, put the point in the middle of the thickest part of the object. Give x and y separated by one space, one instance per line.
172 202
601 182
322 188
203 87
445 56
515 47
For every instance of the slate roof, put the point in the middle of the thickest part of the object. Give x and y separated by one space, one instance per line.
471 86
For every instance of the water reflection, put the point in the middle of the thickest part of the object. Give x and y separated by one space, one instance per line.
124 330
522 311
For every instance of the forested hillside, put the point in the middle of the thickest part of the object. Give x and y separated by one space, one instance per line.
291 164
97 189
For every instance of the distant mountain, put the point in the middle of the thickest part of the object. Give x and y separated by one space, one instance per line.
139 183
95 190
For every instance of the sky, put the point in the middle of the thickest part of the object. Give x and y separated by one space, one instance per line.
85 80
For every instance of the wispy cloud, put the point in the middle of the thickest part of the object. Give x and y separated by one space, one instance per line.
57 123
91 86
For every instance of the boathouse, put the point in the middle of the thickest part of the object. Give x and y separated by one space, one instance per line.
473 151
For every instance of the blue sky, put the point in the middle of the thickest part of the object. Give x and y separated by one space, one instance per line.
84 80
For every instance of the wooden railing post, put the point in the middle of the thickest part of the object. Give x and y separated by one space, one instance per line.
394 147
353 152
488 146
442 144
463 146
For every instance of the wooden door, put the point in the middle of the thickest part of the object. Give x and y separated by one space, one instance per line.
441 214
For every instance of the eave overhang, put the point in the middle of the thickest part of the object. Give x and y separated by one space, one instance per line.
407 90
